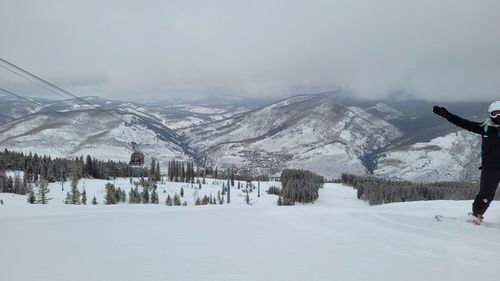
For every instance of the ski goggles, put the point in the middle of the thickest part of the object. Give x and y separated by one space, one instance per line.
495 114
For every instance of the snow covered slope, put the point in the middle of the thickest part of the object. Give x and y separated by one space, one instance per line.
312 132
454 157
26 127
107 138
337 238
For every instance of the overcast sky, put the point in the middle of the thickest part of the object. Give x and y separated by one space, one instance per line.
432 49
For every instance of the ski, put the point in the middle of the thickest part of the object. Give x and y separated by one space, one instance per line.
441 218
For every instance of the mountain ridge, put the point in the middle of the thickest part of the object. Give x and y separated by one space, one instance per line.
339 132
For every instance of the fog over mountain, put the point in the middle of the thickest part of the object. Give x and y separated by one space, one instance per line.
435 50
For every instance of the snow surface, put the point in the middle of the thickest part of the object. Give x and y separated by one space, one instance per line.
337 238
447 158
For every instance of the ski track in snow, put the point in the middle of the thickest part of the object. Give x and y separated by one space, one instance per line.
336 238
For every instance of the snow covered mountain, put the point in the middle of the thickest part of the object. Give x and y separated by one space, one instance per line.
312 132
28 127
431 148
327 133
108 138
441 159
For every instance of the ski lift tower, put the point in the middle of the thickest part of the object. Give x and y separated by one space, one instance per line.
229 173
258 182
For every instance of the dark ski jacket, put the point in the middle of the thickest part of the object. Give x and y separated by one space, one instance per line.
490 146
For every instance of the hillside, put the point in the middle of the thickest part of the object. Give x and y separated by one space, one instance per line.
441 159
311 132
52 134
327 133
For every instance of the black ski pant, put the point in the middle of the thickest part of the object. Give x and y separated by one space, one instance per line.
487 189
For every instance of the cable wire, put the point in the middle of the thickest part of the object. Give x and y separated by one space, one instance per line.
49 86
41 105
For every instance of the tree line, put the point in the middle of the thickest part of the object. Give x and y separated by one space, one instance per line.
378 191
182 172
38 167
299 186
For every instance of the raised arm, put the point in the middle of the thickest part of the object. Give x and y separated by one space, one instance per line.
470 126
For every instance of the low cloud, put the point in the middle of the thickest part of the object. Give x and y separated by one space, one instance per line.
439 50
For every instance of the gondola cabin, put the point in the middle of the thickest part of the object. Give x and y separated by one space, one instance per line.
136 159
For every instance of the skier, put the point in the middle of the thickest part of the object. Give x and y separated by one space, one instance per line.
490 155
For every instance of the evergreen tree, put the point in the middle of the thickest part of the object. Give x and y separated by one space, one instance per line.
110 197
182 191
31 194
182 172
136 196
154 197
300 186
170 171
177 200
89 169
169 201
84 197
17 185
25 184
3 181
94 201
75 193
43 190
152 174
145 195
120 195
9 187
131 196
124 196
273 190
158 172
51 173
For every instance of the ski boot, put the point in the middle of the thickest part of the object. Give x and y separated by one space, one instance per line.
476 219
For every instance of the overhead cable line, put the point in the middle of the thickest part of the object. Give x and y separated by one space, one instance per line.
40 84
49 86
41 105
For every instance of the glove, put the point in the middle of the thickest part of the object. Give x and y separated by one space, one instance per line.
441 111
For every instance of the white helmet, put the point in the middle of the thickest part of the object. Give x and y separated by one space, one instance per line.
495 106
